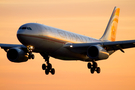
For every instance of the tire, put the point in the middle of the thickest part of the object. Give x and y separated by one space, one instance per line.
52 71
95 65
92 70
43 66
46 71
32 56
89 65
98 70
29 57
49 66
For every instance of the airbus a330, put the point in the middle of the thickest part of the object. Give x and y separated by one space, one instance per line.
65 45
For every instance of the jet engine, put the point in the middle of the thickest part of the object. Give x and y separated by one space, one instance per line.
97 52
17 55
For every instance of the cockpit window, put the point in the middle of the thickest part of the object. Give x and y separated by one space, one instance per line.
23 28
28 28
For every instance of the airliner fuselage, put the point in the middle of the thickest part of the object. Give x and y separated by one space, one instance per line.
51 40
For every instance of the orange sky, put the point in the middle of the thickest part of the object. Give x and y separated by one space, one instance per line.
87 17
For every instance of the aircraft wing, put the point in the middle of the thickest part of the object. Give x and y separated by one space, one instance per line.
8 46
117 45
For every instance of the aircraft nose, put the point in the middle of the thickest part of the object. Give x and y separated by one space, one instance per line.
24 30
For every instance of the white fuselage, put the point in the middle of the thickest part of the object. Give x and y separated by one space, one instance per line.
51 40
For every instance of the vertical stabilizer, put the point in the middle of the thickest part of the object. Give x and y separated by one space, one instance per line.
110 31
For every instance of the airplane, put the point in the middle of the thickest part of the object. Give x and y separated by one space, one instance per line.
65 45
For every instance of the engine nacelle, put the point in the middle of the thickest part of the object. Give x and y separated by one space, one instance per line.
97 52
17 55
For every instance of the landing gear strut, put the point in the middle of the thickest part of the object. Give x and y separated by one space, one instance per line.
93 67
47 66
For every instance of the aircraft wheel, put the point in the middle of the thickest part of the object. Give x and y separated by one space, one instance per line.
29 57
89 65
98 70
32 56
46 71
92 70
49 66
43 66
95 65
52 71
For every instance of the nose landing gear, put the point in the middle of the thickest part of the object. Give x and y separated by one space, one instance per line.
30 49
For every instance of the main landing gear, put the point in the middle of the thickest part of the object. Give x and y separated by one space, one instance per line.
93 67
47 66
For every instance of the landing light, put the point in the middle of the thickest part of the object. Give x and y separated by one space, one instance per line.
30 47
71 46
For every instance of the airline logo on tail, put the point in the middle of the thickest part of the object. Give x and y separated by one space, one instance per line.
110 32
114 23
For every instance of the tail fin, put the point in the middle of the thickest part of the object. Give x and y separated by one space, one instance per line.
110 31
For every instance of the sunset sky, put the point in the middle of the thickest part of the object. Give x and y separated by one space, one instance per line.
86 17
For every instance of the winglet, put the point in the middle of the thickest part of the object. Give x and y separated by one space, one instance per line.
110 31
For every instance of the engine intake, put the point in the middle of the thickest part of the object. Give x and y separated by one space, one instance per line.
17 55
97 52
